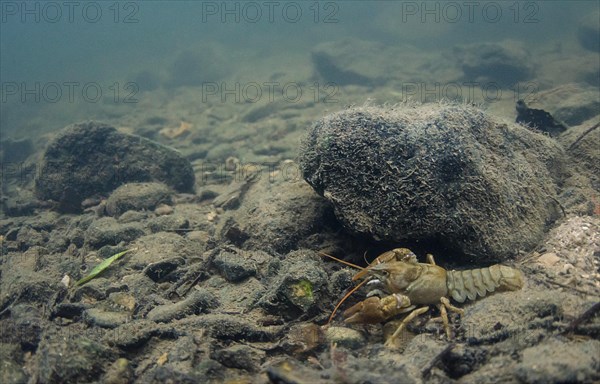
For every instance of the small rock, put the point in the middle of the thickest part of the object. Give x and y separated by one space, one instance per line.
123 300
120 372
231 163
555 361
107 231
548 259
159 270
163 209
169 223
567 268
68 310
199 236
137 197
240 357
70 359
236 265
66 281
344 337
132 216
303 338
198 301
105 319
298 286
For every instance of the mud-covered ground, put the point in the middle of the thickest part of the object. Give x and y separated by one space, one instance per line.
226 284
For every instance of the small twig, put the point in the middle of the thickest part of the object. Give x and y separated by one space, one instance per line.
569 287
583 317
583 135
559 204
425 372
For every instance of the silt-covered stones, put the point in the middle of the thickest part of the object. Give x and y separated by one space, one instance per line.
92 158
453 174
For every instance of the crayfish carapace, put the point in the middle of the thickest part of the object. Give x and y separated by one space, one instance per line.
403 285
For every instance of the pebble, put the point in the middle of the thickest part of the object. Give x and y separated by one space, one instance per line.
198 301
105 319
163 209
344 337
567 268
548 259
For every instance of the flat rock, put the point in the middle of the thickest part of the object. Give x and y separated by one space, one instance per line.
137 197
504 63
368 63
107 231
555 361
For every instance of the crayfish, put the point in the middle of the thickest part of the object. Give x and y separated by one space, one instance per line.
406 286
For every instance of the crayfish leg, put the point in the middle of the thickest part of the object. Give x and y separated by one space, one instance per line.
430 259
445 304
417 312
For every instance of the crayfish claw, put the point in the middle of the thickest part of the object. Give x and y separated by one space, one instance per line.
367 311
374 310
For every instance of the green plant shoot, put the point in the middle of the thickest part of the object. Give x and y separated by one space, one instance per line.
101 267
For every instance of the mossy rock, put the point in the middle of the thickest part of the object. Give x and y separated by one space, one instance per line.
482 187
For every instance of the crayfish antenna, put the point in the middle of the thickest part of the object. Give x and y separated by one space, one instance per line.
341 261
347 295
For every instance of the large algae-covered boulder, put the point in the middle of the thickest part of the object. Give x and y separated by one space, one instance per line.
481 186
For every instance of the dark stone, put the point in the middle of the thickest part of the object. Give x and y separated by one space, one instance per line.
539 119
107 231
68 310
160 270
236 265
92 158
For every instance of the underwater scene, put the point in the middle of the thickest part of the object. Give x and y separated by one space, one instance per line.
295 192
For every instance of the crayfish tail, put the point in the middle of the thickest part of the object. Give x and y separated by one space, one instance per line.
473 283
